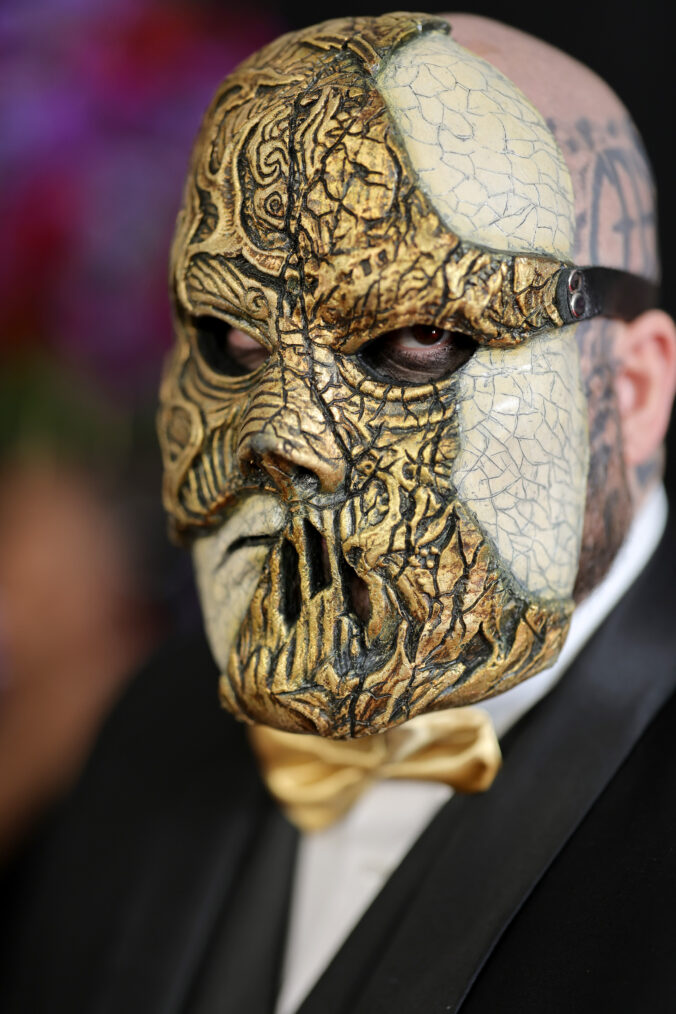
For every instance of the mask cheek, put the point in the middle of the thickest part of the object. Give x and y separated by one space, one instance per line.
523 458
228 569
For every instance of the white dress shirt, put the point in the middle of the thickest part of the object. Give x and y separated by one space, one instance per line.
341 869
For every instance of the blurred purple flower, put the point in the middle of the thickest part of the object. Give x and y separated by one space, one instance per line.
99 103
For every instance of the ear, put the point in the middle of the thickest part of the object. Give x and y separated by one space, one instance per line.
645 383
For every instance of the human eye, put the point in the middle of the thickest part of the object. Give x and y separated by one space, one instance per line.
417 354
225 349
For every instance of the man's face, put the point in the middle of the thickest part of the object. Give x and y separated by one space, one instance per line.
372 420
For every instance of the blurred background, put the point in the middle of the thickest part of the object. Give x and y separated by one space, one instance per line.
99 103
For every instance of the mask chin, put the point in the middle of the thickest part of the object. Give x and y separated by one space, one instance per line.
228 564
341 639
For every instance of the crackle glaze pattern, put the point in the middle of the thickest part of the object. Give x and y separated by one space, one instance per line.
370 584
522 462
484 155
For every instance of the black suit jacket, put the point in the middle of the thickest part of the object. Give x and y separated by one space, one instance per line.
161 885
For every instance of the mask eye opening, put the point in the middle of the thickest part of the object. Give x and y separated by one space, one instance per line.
224 348
211 336
416 354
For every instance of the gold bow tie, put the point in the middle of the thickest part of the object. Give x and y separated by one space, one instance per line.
316 780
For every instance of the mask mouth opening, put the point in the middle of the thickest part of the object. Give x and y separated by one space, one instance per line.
291 598
317 553
356 592
316 558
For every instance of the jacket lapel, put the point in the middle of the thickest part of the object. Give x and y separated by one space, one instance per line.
182 879
423 942
119 905
242 966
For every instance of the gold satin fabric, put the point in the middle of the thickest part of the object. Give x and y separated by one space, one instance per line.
316 780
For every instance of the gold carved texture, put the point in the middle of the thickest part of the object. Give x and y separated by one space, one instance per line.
303 225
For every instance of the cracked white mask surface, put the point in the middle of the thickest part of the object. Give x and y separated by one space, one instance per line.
484 154
494 173
228 566
522 466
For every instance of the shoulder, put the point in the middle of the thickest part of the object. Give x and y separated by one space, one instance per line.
596 931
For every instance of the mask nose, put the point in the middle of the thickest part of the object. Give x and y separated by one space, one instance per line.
286 435
293 468
287 432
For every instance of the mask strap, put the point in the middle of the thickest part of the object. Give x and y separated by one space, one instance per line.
582 293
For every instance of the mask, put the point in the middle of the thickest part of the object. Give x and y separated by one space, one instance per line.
372 422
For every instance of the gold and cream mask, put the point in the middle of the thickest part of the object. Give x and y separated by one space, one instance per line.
372 422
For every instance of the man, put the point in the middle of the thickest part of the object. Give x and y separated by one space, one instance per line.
394 242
